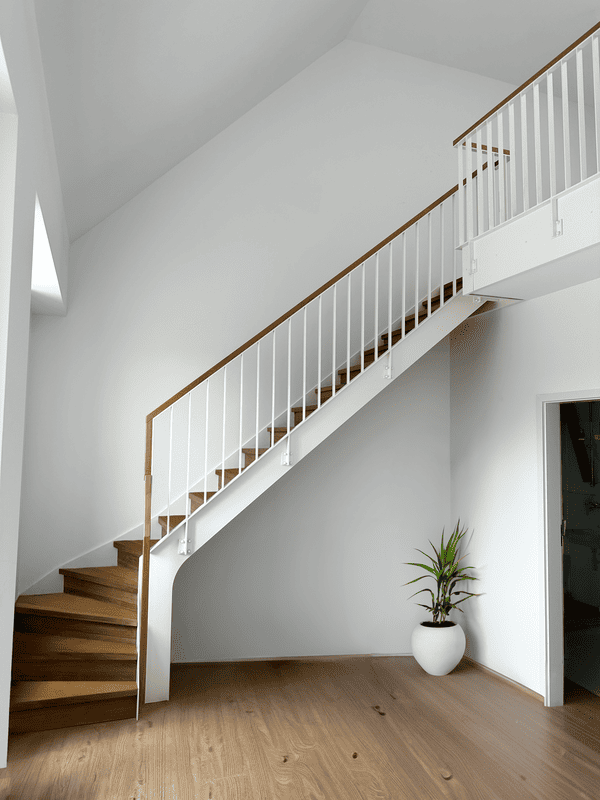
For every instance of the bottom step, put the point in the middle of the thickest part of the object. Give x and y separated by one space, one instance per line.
48 705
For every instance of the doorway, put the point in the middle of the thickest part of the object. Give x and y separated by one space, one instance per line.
580 494
553 528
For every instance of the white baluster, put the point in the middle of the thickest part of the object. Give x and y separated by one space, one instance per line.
551 133
257 398
596 81
524 152
362 320
170 470
206 441
491 170
469 189
333 346
349 303
430 264
289 379
454 251
417 259
581 115
187 472
512 143
442 253
403 284
565 122
462 195
319 336
501 169
224 426
376 331
390 297
272 442
304 367
241 412
479 179
537 143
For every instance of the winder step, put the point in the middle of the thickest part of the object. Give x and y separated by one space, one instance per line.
70 606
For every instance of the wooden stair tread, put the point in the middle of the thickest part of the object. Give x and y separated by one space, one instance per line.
72 606
173 521
251 451
42 694
298 410
279 430
28 646
133 546
116 577
229 471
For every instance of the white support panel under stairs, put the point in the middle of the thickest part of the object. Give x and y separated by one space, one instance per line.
208 520
551 247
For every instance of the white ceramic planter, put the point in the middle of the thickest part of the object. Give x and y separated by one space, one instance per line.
438 649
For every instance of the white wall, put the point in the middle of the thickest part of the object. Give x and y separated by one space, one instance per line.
316 566
210 254
27 166
499 363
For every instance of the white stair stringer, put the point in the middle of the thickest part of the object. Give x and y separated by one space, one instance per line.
211 518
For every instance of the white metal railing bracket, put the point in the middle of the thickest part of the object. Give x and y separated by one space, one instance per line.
387 372
286 456
184 548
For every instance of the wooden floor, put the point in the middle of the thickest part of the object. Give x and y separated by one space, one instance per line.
322 730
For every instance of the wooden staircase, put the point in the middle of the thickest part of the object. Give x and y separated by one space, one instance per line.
74 653
75 656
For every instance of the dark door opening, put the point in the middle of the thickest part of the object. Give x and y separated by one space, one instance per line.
580 461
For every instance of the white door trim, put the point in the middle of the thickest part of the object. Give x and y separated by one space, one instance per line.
550 489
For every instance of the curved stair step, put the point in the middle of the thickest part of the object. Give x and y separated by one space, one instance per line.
115 577
32 646
48 694
47 705
38 657
69 606
129 551
111 584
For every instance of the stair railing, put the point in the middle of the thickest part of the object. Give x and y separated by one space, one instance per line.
201 439
550 126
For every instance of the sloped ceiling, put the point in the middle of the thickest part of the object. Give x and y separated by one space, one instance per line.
509 41
135 86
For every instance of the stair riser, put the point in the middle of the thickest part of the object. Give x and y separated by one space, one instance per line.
128 560
78 629
278 436
48 719
97 591
298 416
54 670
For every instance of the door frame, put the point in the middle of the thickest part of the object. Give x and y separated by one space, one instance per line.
550 491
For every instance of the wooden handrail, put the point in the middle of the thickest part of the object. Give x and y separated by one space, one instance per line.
528 82
293 311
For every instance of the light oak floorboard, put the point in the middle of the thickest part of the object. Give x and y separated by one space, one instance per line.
352 729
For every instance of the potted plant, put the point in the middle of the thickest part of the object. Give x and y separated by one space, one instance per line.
438 645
